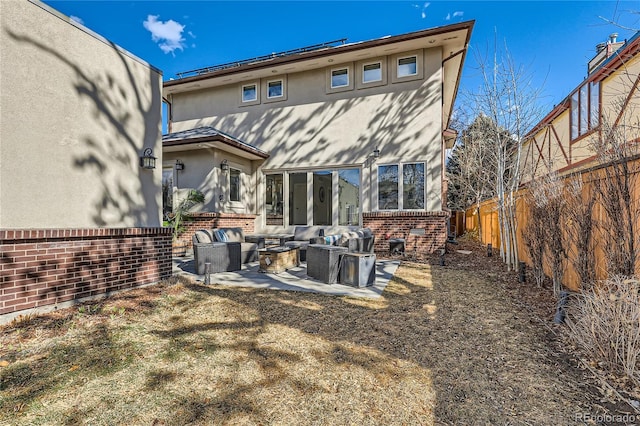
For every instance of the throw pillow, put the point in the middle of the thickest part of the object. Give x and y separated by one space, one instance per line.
221 235
203 236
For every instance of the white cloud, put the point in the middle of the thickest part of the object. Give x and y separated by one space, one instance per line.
76 19
455 15
167 34
423 8
191 34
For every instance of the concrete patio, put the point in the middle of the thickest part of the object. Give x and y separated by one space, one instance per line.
294 279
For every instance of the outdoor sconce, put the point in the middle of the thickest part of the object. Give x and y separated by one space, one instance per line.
376 153
224 166
179 165
148 161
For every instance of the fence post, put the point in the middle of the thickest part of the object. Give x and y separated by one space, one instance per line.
521 272
489 250
207 272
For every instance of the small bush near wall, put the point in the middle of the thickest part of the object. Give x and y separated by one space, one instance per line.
603 324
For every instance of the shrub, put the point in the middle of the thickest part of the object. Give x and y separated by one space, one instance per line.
604 323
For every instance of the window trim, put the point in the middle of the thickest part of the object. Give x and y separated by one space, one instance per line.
415 59
342 86
330 88
399 187
240 173
268 85
364 72
255 101
401 201
575 108
419 74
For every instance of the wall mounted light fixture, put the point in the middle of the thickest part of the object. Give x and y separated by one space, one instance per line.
224 166
376 153
148 161
179 165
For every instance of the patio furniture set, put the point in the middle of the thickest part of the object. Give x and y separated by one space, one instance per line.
344 256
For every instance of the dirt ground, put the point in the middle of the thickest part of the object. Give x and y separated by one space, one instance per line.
459 344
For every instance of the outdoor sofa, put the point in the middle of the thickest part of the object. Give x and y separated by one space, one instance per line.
302 237
221 257
248 246
359 241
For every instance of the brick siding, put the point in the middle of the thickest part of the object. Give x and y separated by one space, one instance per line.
216 220
386 225
45 267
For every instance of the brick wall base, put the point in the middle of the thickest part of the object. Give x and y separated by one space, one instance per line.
216 220
50 267
386 225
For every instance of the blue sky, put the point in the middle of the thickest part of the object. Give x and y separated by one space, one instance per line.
553 39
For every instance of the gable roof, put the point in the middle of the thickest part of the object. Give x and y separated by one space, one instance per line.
608 67
203 137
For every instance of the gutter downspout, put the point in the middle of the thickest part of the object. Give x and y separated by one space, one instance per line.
169 113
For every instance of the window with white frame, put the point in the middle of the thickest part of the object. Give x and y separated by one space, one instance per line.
407 193
275 89
407 66
250 92
413 186
234 185
388 187
340 78
372 72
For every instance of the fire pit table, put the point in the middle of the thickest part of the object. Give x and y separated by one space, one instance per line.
278 259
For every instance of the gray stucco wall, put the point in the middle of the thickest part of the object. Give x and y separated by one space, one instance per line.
76 112
312 128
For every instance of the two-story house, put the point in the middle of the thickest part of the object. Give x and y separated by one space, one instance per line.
336 134
566 139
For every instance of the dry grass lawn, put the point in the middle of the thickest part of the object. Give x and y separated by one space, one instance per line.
460 344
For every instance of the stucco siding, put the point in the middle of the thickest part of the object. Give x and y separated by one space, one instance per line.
313 128
76 113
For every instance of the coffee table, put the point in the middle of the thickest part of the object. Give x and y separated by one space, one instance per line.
278 259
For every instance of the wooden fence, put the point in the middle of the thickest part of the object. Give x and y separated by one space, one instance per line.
484 222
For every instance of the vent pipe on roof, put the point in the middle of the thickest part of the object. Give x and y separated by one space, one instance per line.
613 37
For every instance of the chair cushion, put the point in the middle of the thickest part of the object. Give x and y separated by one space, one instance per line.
203 236
220 235
305 233
344 237
367 232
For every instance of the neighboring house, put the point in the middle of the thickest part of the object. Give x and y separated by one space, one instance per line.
337 134
79 217
565 140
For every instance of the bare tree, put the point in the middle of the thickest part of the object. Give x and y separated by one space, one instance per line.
579 228
509 99
468 168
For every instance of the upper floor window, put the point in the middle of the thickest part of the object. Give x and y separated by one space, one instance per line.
585 109
372 72
234 185
407 66
275 89
340 78
250 93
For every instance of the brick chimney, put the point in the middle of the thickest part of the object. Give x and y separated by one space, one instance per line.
604 51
